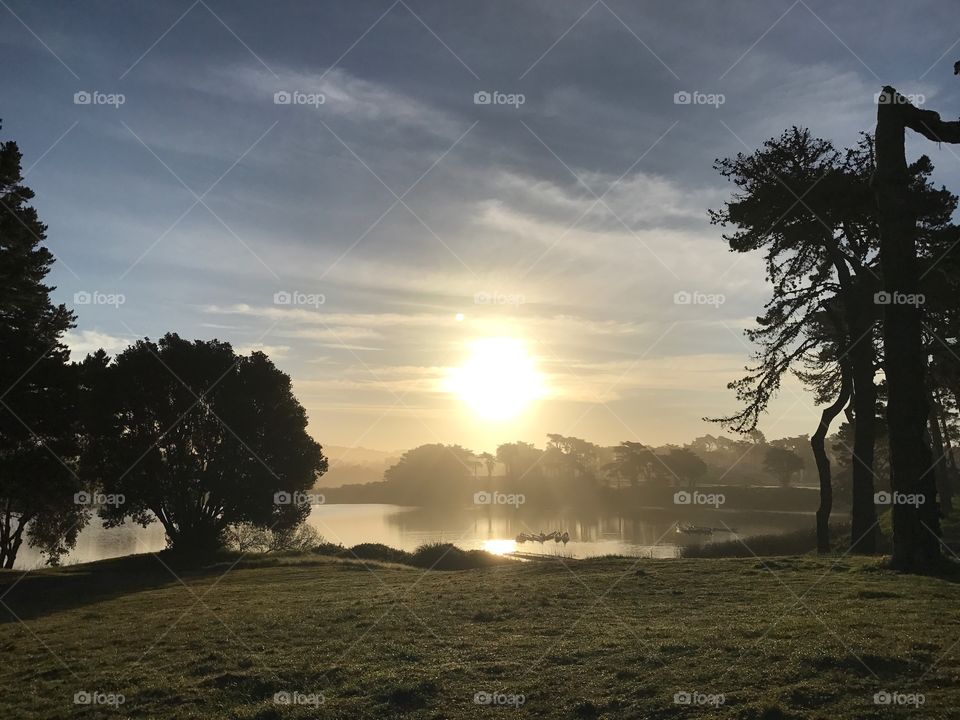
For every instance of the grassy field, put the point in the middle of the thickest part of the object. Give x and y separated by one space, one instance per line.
795 637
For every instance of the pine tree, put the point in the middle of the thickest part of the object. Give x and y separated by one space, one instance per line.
38 438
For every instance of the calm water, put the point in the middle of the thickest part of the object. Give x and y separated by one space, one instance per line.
642 532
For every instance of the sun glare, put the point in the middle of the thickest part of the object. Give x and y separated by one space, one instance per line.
499 380
499 547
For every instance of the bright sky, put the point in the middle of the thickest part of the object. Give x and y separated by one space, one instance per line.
430 225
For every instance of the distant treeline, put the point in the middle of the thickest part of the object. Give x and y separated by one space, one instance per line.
749 474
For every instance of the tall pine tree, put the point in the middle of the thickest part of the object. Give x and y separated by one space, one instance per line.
38 433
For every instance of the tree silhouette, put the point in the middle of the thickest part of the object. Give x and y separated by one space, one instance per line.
489 462
782 463
810 209
916 528
521 462
199 438
830 377
434 473
38 439
686 465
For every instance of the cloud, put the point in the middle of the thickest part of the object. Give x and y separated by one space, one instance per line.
275 352
84 342
344 95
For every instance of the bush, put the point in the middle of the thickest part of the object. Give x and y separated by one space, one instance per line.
300 538
245 537
329 548
377 551
446 556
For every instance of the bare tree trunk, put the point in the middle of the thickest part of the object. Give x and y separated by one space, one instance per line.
858 360
940 452
942 415
863 513
823 462
916 528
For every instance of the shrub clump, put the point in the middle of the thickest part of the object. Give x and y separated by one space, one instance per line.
431 556
446 556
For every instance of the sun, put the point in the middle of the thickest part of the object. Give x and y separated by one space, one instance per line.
498 380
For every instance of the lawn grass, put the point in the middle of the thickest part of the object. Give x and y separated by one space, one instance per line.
787 637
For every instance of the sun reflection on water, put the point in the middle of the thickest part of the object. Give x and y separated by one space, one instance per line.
499 547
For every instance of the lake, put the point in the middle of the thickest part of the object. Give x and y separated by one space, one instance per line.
641 532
